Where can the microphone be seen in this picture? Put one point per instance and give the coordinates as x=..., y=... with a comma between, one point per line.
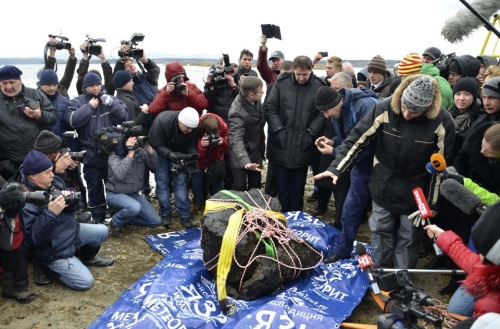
x=365, y=261
x=461, y=197
x=438, y=164
x=425, y=213
x=468, y=20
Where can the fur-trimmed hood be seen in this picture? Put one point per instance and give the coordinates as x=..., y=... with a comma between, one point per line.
x=483, y=280
x=432, y=112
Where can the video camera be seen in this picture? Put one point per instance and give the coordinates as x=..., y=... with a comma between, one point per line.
x=187, y=164
x=62, y=44
x=129, y=129
x=218, y=78
x=132, y=43
x=93, y=48
x=405, y=304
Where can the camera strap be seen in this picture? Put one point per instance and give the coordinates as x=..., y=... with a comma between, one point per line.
x=140, y=66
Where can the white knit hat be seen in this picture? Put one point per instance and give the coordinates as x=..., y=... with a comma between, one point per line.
x=190, y=117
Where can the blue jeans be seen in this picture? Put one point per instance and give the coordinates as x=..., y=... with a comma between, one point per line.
x=162, y=178
x=95, y=178
x=132, y=209
x=461, y=303
x=354, y=212
x=72, y=272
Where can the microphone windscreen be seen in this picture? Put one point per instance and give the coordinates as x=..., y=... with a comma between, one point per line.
x=360, y=249
x=460, y=196
x=430, y=168
x=465, y=22
x=438, y=161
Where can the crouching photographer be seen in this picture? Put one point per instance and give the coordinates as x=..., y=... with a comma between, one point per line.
x=12, y=252
x=212, y=145
x=174, y=135
x=52, y=233
x=126, y=174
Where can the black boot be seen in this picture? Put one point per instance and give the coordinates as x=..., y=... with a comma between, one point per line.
x=23, y=296
x=42, y=275
x=88, y=255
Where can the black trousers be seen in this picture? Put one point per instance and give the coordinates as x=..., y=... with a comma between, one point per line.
x=291, y=185
x=244, y=180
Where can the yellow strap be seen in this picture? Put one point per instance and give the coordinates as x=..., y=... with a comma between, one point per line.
x=226, y=252
x=217, y=205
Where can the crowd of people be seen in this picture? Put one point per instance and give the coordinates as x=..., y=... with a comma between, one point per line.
x=367, y=137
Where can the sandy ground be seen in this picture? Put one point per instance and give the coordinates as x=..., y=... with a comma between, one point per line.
x=58, y=307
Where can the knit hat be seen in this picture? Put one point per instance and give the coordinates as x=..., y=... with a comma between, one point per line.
x=411, y=63
x=91, y=79
x=466, y=84
x=377, y=65
x=492, y=88
x=326, y=98
x=177, y=76
x=454, y=67
x=418, y=96
x=486, y=234
x=277, y=54
x=47, y=142
x=121, y=78
x=432, y=52
x=362, y=75
x=190, y=117
x=10, y=72
x=48, y=77
x=35, y=162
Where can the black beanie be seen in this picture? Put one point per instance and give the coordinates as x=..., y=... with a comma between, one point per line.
x=121, y=78
x=486, y=234
x=466, y=84
x=47, y=142
x=455, y=67
x=326, y=98
x=91, y=79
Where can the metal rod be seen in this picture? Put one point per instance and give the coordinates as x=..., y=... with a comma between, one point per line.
x=486, y=23
x=417, y=270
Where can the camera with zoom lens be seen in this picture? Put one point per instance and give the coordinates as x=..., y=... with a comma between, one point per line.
x=62, y=44
x=184, y=167
x=132, y=43
x=129, y=129
x=218, y=78
x=77, y=156
x=41, y=198
x=213, y=139
x=73, y=198
x=28, y=102
x=93, y=48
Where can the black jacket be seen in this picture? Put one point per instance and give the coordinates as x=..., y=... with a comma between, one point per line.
x=403, y=150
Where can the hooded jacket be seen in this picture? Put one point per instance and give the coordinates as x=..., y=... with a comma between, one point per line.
x=212, y=153
x=403, y=149
x=469, y=65
x=482, y=281
x=176, y=101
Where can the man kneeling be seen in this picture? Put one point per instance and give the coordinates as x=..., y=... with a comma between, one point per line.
x=51, y=230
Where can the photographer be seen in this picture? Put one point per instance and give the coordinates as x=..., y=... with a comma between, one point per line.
x=69, y=71
x=83, y=69
x=12, y=251
x=212, y=145
x=88, y=114
x=24, y=112
x=52, y=232
x=480, y=291
x=146, y=80
x=125, y=180
x=179, y=92
x=174, y=136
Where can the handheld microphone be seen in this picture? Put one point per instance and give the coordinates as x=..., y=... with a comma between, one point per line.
x=365, y=261
x=425, y=213
x=438, y=164
x=466, y=21
x=461, y=197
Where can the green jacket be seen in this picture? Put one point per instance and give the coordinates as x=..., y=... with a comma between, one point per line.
x=487, y=197
x=444, y=86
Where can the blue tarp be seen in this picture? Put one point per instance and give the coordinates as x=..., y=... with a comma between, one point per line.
x=179, y=292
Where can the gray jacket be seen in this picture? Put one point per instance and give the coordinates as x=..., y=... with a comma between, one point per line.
x=126, y=175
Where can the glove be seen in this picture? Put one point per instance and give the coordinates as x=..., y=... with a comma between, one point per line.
x=10, y=195
x=417, y=219
x=457, y=177
x=174, y=156
x=106, y=99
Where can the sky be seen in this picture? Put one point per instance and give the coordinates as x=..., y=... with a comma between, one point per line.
x=357, y=29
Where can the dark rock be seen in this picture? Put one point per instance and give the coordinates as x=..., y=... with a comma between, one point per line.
x=254, y=272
